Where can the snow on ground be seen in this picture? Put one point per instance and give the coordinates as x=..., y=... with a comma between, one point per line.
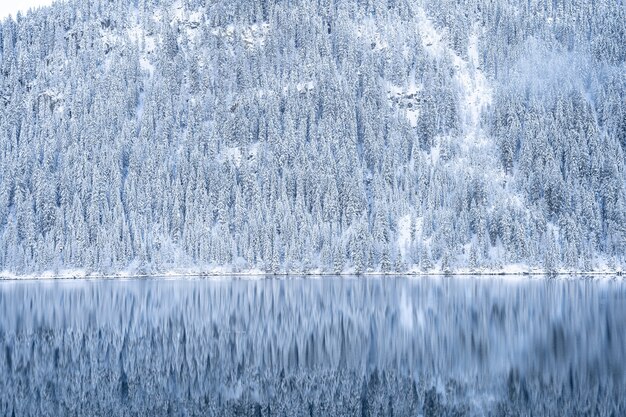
x=54, y=98
x=234, y=154
x=305, y=87
x=147, y=45
x=478, y=151
x=252, y=35
x=512, y=271
x=412, y=115
x=435, y=152
x=404, y=233
x=302, y=87
x=476, y=93
x=146, y=65
x=406, y=99
x=368, y=32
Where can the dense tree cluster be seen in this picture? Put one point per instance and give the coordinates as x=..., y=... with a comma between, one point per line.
x=298, y=135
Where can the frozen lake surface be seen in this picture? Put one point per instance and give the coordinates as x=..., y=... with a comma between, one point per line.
x=314, y=347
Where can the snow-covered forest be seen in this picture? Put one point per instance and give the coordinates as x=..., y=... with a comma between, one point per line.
x=313, y=136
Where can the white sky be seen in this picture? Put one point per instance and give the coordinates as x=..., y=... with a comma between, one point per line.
x=11, y=7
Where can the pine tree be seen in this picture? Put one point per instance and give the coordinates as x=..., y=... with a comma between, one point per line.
x=338, y=260
x=385, y=260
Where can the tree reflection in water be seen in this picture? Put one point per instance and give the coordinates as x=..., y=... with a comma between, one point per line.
x=300, y=347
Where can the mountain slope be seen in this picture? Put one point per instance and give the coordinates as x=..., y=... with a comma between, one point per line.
x=294, y=137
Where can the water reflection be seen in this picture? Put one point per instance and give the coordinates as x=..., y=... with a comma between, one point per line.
x=366, y=346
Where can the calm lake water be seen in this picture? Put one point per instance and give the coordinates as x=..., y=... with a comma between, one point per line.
x=314, y=347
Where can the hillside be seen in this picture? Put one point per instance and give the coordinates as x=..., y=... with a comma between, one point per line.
x=158, y=136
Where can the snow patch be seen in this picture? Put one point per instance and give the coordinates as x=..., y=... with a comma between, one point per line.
x=406, y=99
x=234, y=154
x=404, y=233
x=146, y=44
x=476, y=91
x=54, y=99
x=477, y=150
x=369, y=33
x=189, y=21
x=435, y=152
x=305, y=87
x=252, y=35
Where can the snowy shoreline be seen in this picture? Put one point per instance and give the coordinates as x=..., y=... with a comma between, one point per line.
x=76, y=275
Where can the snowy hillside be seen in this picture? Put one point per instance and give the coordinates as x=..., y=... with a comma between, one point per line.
x=415, y=136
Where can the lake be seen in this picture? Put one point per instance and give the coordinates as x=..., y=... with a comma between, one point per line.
x=366, y=346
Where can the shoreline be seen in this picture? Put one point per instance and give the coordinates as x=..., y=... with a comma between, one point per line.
x=309, y=275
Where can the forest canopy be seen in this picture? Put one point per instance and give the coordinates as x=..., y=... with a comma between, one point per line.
x=325, y=136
